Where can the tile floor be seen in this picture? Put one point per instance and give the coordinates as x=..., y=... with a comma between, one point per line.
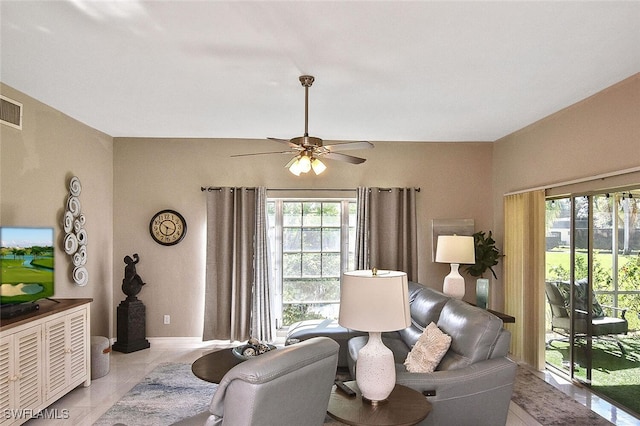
x=83, y=406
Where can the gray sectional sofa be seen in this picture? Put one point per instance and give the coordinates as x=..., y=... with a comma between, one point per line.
x=473, y=383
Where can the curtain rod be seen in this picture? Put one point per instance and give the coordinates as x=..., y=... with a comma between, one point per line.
x=579, y=180
x=218, y=188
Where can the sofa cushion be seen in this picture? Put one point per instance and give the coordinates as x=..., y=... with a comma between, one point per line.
x=428, y=350
x=425, y=306
x=474, y=334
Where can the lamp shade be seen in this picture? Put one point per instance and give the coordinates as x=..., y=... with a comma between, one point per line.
x=374, y=302
x=295, y=167
x=455, y=249
x=318, y=166
x=304, y=163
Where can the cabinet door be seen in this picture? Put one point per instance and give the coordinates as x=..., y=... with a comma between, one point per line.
x=67, y=352
x=20, y=373
x=79, y=352
x=28, y=368
x=56, y=354
x=6, y=377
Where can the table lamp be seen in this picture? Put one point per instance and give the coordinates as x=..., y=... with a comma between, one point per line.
x=374, y=301
x=455, y=249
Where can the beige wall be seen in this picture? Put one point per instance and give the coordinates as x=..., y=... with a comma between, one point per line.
x=35, y=166
x=154, y=174
x=597, y=136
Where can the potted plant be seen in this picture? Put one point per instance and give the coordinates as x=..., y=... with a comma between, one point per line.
x=487, y=256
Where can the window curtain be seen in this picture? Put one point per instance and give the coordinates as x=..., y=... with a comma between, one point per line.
x=237, y=278
x=524, y=271
x=262, y=326
x=386, y=230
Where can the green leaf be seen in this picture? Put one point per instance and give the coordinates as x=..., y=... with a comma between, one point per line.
x=487, y=255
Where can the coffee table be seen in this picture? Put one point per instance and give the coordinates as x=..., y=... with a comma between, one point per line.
x=213, y=366
x=405, y=407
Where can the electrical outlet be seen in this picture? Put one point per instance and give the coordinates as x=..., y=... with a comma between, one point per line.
x=167, y=319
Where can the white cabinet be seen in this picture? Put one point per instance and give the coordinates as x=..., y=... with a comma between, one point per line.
x=43, y=356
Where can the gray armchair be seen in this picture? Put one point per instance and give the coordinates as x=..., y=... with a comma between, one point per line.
x=288, y=386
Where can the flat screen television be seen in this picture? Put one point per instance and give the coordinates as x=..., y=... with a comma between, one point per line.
x=26, y=264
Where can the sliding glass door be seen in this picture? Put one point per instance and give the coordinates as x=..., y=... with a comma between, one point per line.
x=593, y=292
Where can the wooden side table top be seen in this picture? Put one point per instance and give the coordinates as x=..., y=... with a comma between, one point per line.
x=405, y=407
x=213, y=366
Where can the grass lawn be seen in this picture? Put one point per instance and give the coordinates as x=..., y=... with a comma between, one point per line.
x=614, y=375
x=12, y=271
x=562, y=258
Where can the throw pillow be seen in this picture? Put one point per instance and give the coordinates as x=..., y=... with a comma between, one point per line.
x=426, y=354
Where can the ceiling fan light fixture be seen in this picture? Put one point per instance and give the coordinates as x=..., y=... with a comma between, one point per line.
x=318, y=166
x=295, y=167
x=304, y=163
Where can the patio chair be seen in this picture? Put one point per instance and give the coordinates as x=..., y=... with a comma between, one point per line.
x=603, y=327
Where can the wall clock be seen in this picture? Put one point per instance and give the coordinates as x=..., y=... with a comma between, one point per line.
x=167, y=227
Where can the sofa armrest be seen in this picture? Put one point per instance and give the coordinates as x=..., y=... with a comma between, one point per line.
x=446, y=384
x=475, y=395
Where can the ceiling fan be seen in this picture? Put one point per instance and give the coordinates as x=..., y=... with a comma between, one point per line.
x=308, y=150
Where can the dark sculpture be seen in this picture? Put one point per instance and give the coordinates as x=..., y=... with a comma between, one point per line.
x=131, y=311
x=132, y=283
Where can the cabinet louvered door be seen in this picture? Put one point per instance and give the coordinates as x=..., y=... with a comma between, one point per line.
x=28, y=365
x=78, y=345
x=20, y=377
x=6, y=377
x=67, y=350
x=56, y=349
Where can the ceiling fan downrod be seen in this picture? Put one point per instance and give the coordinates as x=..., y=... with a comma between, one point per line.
x=306, y=81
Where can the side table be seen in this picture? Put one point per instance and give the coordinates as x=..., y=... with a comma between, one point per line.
x=213, y=366
x=405, y=407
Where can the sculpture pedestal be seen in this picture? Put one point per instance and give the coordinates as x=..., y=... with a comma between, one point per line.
x=131, y=326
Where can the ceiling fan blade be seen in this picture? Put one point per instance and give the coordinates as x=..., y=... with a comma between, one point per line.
x=344, y=157
x=349, y=146
x=287, y=141
x=264, y=153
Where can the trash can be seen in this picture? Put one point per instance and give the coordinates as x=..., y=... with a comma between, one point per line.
x=100, y=350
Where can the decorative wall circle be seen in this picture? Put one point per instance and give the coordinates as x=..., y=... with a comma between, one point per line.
x=75, y=187
x=68, y=222
x=70, y=244
x=80, y=257
x=81, y=276
x=73, y=205
x=82, y=236
x=75, y=240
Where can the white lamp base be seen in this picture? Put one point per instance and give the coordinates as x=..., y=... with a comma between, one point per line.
x=375, y=370
x=454, y=283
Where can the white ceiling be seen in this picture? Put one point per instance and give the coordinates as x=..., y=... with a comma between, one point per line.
x=411, y=71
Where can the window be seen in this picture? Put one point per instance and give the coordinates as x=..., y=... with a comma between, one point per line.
x=312, y=243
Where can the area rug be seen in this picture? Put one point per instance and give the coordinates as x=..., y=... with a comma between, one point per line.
x=168, y=394
x=548, y=405
x=171, y=393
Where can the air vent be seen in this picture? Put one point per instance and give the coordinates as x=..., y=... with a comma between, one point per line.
x=10, y=112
